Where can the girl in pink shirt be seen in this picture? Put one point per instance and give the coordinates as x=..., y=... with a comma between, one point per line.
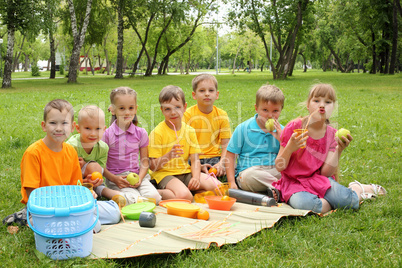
x=128, y=148
x=308, y=162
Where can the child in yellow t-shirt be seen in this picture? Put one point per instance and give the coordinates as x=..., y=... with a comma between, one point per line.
x=211, y=124
x=171, y=144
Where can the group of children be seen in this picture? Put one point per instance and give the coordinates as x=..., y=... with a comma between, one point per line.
x=173, y=161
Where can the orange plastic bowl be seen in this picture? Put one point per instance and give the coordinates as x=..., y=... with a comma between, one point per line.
x=215, y=202
x=182, y=209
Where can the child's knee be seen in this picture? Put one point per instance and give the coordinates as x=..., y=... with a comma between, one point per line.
x=347, y=199
x=340, y=196
x=94, y=166
x=90, y=168
x=305, y=201
x=184, y=195
x=109, y=212
x=157, y=197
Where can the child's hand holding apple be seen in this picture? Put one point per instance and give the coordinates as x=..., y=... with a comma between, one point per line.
x=344, y=138
x=134, y=179
x=121, y=182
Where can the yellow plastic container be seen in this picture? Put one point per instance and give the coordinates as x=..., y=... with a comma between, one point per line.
x=182, y=209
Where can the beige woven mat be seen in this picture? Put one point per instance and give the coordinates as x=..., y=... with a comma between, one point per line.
x=173, y=234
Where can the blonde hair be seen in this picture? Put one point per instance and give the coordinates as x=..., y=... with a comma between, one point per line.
x=270, y=93
x=322, y=90
x=319, y=90
x=123, y=91
x=202, y=77
x=91, y=111
x=59, y=105
x=170, y=92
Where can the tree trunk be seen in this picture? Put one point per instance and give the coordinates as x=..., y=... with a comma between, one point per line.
x=92, y=65
x=142, y=41
x=234, y=61
x=177, y=66
x=189, y=60
x=171, y=52
x=135, y=67
x=8, y=61
x=150, y=68
x=120, y=40
x=394, y=38
x=17, y=56
x=211, y=59
x=386, y=52
x=374, y=66
x=166, y=59
x=293, y=62
x=79, y=38
x=350, y=67
x=52, y=55
x=304, y=62
x=100, y=63
x=86, y=63
x=106, y=56
x=26, y=62
x=337, y=60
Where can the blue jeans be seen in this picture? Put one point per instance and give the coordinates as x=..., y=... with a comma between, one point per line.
x=109, y=213
x=338, y=196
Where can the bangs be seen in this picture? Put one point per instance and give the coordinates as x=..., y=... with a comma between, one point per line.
x=323, y=90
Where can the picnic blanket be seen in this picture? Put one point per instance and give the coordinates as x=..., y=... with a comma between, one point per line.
x=173, y=234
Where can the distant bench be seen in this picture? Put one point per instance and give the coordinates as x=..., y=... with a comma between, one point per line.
x=131, y=73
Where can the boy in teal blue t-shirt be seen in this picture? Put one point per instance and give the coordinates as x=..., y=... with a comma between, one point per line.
x=255, y=146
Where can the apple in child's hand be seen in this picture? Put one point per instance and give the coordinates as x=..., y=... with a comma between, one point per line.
x=133, y=178
x=269, y=125
x=342, y=133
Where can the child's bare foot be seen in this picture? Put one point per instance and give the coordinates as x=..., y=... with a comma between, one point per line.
x=274, y=193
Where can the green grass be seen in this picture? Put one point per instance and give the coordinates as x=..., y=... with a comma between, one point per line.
x=368, y=105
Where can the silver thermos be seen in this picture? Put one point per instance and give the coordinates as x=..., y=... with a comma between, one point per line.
x=252, y=198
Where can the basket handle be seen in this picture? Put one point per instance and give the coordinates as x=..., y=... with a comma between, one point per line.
x=69, y=235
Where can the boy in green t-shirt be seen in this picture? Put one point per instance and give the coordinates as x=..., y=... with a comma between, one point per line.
x=92, y=151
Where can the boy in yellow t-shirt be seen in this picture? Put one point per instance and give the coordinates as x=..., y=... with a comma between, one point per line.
x=211, y=124
x=171, y=144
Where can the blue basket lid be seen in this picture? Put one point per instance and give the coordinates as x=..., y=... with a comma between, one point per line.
x=60, y=200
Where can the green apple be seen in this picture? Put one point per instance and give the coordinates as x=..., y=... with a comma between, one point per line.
x=342, y=133
x=269, y=125
x=133, y=178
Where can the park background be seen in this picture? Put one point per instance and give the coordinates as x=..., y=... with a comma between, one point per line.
x=350, y=44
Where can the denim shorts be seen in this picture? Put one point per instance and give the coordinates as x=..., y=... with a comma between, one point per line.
x=338, y=196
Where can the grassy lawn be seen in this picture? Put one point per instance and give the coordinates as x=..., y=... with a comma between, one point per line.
x=368, y=105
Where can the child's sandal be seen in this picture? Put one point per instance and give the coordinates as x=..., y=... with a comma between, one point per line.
x=364, y=195
x=19, y=218
x=270, y=193
x=378, y=189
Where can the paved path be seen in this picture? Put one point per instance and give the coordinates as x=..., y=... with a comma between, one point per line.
x=192, y=73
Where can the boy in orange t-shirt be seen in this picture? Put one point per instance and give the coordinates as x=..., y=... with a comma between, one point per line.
x=50, y=161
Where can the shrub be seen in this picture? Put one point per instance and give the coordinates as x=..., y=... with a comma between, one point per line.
x=61, y=69
x=35, y=70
